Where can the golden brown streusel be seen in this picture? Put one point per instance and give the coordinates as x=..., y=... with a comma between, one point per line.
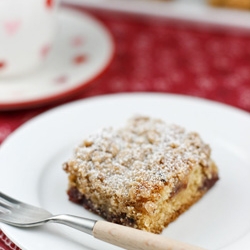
x=142, y=175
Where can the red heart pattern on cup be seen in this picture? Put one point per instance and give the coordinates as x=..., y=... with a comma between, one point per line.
x=49, y=3
x=17, y=28
x=12, y=26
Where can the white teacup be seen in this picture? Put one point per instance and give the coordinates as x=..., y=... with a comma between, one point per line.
x=27, y=31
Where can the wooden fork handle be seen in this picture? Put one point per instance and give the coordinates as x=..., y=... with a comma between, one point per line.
x=133, y=239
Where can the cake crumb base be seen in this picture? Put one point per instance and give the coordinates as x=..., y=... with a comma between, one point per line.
x=183, y=193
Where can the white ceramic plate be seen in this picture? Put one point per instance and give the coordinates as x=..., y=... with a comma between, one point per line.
x=83, y=49
x=188, y=10
x=31, y=168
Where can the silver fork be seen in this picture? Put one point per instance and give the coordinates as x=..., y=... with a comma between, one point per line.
x=19, y=214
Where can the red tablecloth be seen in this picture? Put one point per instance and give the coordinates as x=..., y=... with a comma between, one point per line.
x=157, y=55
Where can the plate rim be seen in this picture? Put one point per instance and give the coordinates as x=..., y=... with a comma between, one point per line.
x=206, y=15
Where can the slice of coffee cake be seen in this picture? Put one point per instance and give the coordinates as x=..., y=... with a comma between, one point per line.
x=143, y=175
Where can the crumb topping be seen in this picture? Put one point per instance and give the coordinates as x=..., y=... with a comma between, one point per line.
x=138, y=160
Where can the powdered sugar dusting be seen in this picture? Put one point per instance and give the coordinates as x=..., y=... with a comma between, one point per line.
x=139, y=159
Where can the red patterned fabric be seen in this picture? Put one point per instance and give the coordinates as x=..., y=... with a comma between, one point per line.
x=6, y=244
x=156, y=55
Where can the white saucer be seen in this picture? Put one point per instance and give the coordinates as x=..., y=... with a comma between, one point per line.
x=83, y=49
